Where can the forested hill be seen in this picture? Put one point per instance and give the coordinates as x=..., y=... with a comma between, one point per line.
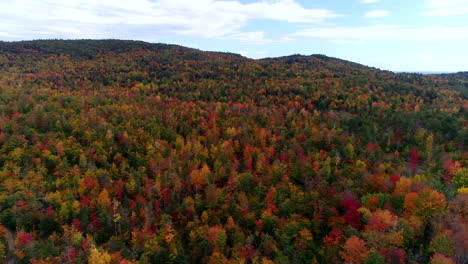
x=129, y=152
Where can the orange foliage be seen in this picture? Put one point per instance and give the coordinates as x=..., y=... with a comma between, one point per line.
x=354, y=251
x=441, y=259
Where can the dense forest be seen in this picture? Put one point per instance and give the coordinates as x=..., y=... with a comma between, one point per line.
x=130, y=152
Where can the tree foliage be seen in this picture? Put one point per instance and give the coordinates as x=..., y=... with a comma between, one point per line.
x=129, y=152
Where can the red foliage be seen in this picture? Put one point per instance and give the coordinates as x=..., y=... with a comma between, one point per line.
x=95, y=221
x=371, y=147
x=350, y=201
x=372, y=203
x=119, y=190
x=89, y=183
x=25, y=238
x=77, y=225
x=375, y=223
x=50, y=212
x=395, y=178
x=414, y=156
x=395, y=255
x=21, y=205
x=333, y=238
x=157, y=208
x=353, y=218
x=166, y=196
x=259, y=224
x=247, y=253
x=84, y=201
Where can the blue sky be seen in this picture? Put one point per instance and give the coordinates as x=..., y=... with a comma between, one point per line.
x=398, y=35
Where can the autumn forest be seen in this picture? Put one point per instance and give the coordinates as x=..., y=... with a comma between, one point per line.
x=129, y=152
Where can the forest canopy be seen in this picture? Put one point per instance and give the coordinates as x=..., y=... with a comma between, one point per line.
x=130, y=152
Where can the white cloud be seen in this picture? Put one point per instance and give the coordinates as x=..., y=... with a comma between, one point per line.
x=144, y=19
x=369, y=1
x=377, y=14
x=243, y=53
x=255, y=37
x=365, y=34
x=447, y=7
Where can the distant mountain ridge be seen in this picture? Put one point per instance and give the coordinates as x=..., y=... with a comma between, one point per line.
x=161, y=61
x=88, y=48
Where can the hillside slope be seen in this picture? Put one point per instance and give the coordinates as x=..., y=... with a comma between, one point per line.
x=129, y=152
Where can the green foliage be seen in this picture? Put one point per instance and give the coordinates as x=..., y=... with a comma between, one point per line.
x=383, y=198
x=374, y=257
x=460, y=179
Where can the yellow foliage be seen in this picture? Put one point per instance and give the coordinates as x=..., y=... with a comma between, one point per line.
x=55, y=198
x=204, y=217
x=230, y=223
x=217, y=258
x=76, y=207
x=420, y=178
x=3, y=251
x=429, y=144
x=179, y=143
x=262, y=260
x=364, y=212
x=17, y=154
x=104, y=199
x=403, y=186
x=96, y=257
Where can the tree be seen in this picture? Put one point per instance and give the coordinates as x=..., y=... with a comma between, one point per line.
x=354, y=251
x=441, y=243
x=374, y=257
x=428, y=203
x=97, y=257
x=441, y=259
x=217, y=258
x=200, y=177
x=460, y=179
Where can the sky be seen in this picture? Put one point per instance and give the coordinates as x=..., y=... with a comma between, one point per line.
x=396, y=35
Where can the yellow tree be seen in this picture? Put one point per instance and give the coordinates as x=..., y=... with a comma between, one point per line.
x=96, y=257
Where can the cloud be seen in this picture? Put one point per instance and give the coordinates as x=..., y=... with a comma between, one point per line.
x=377, y=14
x=255, y=37
x=243, y=53
x=361, y=35
x=144, y=19
x=369, y=1
x=446, y=7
